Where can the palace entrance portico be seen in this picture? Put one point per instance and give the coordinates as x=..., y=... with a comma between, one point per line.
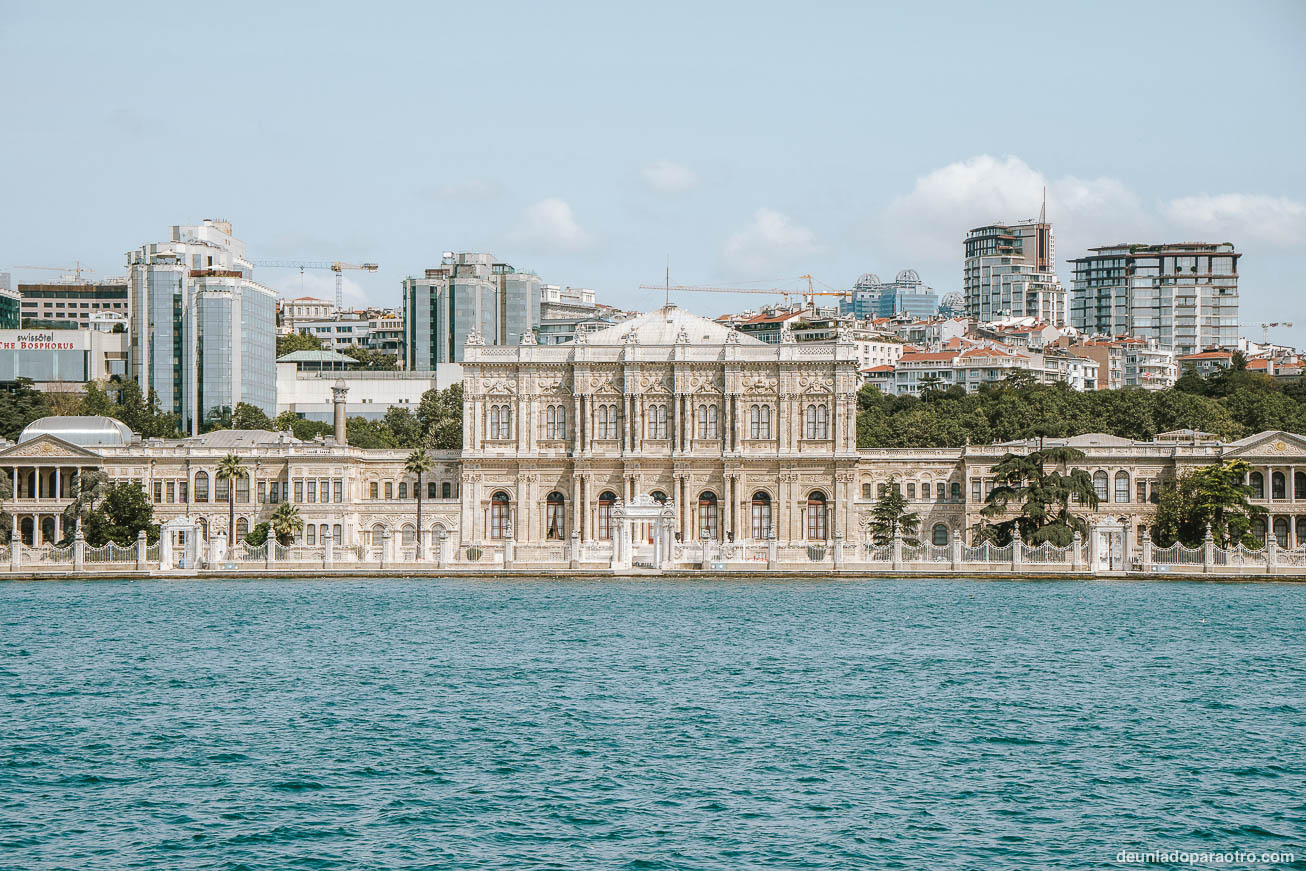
x=41, y=475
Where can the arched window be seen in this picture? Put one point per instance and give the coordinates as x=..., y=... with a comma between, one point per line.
x=1122, y=486
x=500, y=515
x=761, y=515
x=408, y=535
x=1299, y=485
x=657, y=421
x=867, y=492
x=378, y=534
x=322, y=534
x=707, y=428
x=816, y=515
x=1099, y=485
x=1257, y=482
x=1301, y=531
x=760, y=422
x=494, y=421
x=606, y=500
x=1278, y=486
x=555, y=515
x=939, y=535
x=310, y=534
x=708, y=525
x=431, y=490
x=1281, y=531
x=956, y=491
x=201, y=486
x=659, y=497
x=338, y=535
x=403, y=489
x=607, y=422
x=446, y=490
x=222, y=489
x=242, y=528
x=818, y=422
x=1258, y=528
x=556, y=422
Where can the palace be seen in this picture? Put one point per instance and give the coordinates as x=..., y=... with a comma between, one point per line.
x=642, y=443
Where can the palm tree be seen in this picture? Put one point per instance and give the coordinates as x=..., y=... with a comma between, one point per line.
x=418, y=464
x=229, y=469
x=285, y=522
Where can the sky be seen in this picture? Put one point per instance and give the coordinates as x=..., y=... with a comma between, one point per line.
x=743, y=144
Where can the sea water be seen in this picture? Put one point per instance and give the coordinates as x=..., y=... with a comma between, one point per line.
x=435, y=723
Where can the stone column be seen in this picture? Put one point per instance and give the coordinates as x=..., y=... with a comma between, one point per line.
x=1271, y=551
x=575, y=505
x=895, y=548
x=386, y=538
x=838, y=550
x=675, y=432
x=1145, y=559
x=328, y=549
x=957, y=541
x=79, y=549
x=573, y=550
x=16, y=547
x=1077, y=554
x=1208, y=550
x=142, y=549
x=1017, y=550
x=772, y=549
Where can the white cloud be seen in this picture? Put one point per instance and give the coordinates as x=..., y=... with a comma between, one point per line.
x=1276, y=222
x=772, y=242
x=667, y=177
x=926, y=226
x=549, y=226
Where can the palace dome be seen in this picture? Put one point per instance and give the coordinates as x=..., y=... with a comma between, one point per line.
x=87, y=431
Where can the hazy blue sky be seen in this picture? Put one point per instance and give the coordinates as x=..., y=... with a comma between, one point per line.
x=748, y=141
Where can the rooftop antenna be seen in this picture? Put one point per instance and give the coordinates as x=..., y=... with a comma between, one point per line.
x=1043, y=212
x=667, y=304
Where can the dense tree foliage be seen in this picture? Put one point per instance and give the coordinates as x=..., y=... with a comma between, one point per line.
x=1215, y=497
x=374, y=360
x=122, y=514
x=297, y=342
x=890, y=516
x=20, y=404
x=285, y=522
x=1231, y=404
x=1043, y=485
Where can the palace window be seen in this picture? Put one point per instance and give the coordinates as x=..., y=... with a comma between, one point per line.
x=1122, y=486
x=760, y=422
x=708, y=516
x=607, y=425
x=201, y=486
x=925, y=490
x=431, y=490
x=816, y=515
x=373, y=490
x=446, y=490
x=956, y=491
x=1257, y=482
x=389, y=490
x=1281, y=531
x=500, y=422
x=818, y=422
x=657, y=421
x=555, y=426
x=555, y=511
x=939, y=535
x=312, y=490
x=762, y=515
x=707, y=428
x=1099, y=485
x=607, y=499
x=500, y=515
x=403, y=489
x=1278, y=486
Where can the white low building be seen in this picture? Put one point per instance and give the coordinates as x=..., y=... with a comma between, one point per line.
x=371, y=393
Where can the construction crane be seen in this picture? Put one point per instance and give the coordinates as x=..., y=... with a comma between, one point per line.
x=1267, y=327
x=76, y=269
x=334, y=265
x=807, y=295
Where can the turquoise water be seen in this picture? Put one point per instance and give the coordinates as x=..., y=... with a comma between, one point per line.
x=633, y=724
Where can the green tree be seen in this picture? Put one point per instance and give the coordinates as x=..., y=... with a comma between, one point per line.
x=301, y=428
x=377, y=361
x=418, y=463
x=404, y=427
x=88, y=487
x=1215, y=496
x=6, y=521
x=297, y=342
x=20, y=404
x=285, y=522
x=1043, y=485
x=371, y=434
x=440, y=413
x=231, y=471
x=122, y=514
x=249, y=416
x=259, y=534
x=890, y=516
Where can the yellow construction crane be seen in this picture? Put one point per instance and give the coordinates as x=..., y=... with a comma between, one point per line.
x=76, y=269
x=334, y=265
x=807, y=295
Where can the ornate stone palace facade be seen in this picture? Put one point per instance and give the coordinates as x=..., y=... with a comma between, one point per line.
x=659, y=432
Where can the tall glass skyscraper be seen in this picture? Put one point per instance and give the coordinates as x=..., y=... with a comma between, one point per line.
x=203, y=333
x=467, y=293
x=1010, y=272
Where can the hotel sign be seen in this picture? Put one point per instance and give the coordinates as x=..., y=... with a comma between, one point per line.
x=44, y=340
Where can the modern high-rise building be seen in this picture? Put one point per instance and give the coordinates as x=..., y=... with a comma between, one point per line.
x=68, y=305
x=1184, y=295
x=203, y=332
x=467, y=293
x=1010, y=272
x=905, y=295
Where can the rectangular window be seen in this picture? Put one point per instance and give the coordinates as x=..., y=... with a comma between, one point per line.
x=975, y=495
x=274, y=492
x=158, y=492
x=446, y=490
x=325, y=487
x=299, y=489
x=911, y=491
x=1141, y=491
x=340, y=490
x=373, y=491
x=183, y=491
x=389, y=490
x=925, y=490
x=262, y=492
x=172, y=492
x=222, y=489
x=242, y=489
x=312, y=490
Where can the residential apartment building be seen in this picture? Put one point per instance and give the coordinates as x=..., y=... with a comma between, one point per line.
x=68, y=305
x=203, y=332
x=1127, y=361
x=1010, y=272
x=1183, y=295
x=466, y=295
